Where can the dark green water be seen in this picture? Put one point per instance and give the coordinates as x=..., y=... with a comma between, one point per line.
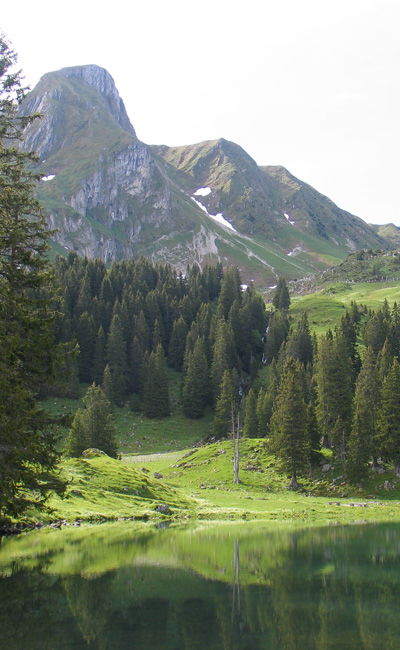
x=231, y=587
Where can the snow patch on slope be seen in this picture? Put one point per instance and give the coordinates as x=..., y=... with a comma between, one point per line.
x=296, y=251
x=288, y=218
x=217, y=217
x=203, y=191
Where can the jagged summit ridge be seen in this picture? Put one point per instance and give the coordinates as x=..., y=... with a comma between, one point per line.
x=102, y=81
x=112, y=196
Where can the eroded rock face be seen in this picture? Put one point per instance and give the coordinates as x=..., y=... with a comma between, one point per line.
x=112, y=196
x=105, y=182
x=101, y=80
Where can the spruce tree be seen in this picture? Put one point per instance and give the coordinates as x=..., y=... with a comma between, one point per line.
x=281, y=298
x=230, y=291
x=222, y=423
x=263, y=413
x=224, y=356
x=363, y=438
x=29, y=357
x=389, y=417
x=290, y=440
x=99, y=357
x=277, y=333
x=250, y=426
x=299, y=343
x=155, y=392
x=177, y=344
x=86, y=336
x=93, y=426
x=196, y=389
x=117, y=361
x=334, y=388
x=136, y=357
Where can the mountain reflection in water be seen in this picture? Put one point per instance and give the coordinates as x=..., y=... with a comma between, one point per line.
x=227, y=587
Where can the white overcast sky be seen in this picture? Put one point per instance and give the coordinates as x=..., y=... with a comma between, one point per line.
x=313, y=85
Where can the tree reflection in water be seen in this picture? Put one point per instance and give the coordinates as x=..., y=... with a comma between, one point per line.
x=190, y=589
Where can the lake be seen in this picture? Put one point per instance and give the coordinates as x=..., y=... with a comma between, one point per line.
x=226, y=587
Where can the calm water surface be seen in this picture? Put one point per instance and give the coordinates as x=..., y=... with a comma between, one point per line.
x=231, y=587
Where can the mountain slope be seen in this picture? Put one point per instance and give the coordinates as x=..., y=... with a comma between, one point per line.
x=112, y=196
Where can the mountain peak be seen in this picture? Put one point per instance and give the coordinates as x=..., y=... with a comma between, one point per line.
x=101, y=80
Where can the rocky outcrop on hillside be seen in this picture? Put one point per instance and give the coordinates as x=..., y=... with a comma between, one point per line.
x=112, y=196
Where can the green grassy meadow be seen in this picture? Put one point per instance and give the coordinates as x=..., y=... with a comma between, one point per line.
x=197, y=484
x=197, y=477
x=326, y=306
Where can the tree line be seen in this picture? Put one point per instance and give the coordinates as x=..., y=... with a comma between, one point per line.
x=321, y=392
x=135, y=319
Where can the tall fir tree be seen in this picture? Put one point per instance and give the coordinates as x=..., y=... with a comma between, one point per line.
x=388, y=421
x=281, y=298
x=250, y=425
x=117, y=361
x=222, y=423
x=224, y=356
x=29, y=357
x=363, y=438
x=99, y=357
x=177, y=344
x=290, y=440
x=196, y=389
x=93, y=426
x=334, y=381
x=299, y=343
x=86, y=336
x=230, y=291
x=156, y=392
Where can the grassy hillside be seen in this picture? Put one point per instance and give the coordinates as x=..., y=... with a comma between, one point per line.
x=197, y=483
x=366, y=277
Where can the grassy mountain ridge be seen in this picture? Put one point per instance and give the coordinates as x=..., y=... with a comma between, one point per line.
x=114, y=197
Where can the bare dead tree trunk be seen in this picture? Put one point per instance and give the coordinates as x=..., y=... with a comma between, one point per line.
x=236, y=580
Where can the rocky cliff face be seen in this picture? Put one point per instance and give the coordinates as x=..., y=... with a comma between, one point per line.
x=103, y=83
x=102, y=187
x=113, y=197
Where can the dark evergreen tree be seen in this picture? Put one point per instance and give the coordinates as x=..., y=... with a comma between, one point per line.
x=314, y=435
x=375, y=331
x=388, y=421
x=281, y=298
x=224, y=356
x=196, y=389
x=29, y=358
x=363, y=438
x=155, y=393
x=290, y=440
x=157, y=336
x=230, y=291
x=299, y=343
x=277, y=332
x=99, y=357
x=334, y=381
x=263, y=412
x=141, y=331
x=86, y=336
x=224, y=408
x=117, y=361
x=177, y=344
x=250, y=426
x=385, y=360
x=347, y=332
x=136, y=360
x=93, y=426
x=107, y=384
